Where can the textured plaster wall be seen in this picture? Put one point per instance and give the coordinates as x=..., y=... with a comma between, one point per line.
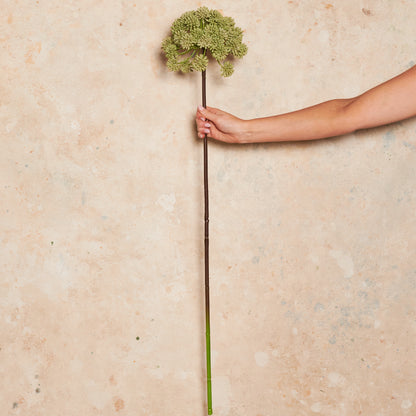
x=101, y=245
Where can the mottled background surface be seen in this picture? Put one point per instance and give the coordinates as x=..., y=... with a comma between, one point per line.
x=101, y=245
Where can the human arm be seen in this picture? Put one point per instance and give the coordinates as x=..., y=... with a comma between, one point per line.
x=386, y=103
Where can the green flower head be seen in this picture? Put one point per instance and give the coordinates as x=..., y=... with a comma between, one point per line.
x=198, y=32
x=200, y=62
x=227, y=69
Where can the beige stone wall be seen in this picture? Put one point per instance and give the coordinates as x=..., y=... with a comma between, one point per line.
x=313, y=273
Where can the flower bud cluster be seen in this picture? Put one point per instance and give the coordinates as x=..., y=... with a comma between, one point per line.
x=202, y=31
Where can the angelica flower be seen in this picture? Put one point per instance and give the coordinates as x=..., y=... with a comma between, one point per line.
x=198, y=32
x=200, y=62
x=227, y=69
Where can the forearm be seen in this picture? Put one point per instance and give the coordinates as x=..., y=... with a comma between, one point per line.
x=323, y=120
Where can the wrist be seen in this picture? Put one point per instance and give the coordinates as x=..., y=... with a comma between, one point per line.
x=262, y=130
x=247, y=132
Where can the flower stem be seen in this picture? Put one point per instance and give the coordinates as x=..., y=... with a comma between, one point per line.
x=206, y=244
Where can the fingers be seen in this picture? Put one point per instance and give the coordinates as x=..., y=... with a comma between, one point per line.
x=203, y=129
x=218, y=125
x=206, y=120
x=203, y=126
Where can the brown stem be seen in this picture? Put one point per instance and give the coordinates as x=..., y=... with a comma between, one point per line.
x=206, y=244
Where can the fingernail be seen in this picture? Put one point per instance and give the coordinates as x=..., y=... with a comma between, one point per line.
x=200, y=108
x=207, y=125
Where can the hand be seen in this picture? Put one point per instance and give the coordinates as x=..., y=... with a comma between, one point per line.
x=219, y=125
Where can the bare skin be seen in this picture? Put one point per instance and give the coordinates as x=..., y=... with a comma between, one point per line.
x=391, y=101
